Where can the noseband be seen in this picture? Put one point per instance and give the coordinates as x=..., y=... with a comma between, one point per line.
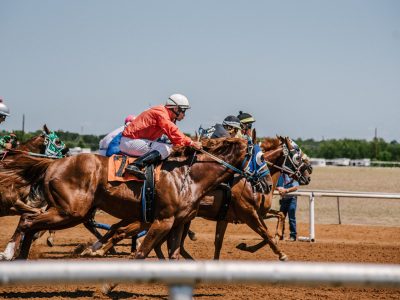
x=292, y=163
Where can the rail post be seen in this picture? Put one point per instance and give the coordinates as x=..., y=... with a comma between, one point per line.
x=338, y=210
x=312, y=221
x=180, y=292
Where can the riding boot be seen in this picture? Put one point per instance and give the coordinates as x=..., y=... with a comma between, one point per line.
x=136, y=167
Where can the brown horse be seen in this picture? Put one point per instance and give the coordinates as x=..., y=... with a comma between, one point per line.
x=16, y=198
x=250, y=204
x=74, y=186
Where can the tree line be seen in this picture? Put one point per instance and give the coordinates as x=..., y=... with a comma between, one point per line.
x=377, y=149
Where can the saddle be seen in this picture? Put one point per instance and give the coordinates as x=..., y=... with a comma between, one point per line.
x=116, y=173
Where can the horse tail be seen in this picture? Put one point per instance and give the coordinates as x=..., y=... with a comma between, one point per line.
x=24, y=171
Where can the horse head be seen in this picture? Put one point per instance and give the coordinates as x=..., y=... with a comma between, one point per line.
x=47, y=143
x=284, y=155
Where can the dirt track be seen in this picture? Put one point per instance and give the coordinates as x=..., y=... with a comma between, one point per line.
x=335, y=243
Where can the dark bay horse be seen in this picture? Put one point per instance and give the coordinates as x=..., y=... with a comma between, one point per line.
x=74, y=186
x=15, y=197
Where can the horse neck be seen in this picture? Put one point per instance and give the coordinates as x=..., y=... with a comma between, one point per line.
x=35, y=145
x=208, y=173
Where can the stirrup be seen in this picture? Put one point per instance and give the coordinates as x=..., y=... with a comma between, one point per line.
x=132, y=169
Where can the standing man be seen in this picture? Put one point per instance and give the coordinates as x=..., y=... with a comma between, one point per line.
x=139, y=138
x=288, y=203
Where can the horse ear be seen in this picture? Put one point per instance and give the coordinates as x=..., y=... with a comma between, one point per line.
x=288, y=141
x=46, y=129
x=254, y=136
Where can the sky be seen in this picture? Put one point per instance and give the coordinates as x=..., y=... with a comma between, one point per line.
x=304, y=69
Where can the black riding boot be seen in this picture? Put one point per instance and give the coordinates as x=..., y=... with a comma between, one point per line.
x=136, y=167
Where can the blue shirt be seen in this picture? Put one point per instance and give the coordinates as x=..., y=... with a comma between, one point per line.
x=286, y=182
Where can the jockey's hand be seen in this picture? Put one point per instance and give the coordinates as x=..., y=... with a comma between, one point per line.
x=197, y=145
x=8, y=146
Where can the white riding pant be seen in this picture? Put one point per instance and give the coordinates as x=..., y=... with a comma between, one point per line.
x=139, y=147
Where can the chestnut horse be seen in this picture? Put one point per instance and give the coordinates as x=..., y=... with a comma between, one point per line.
x=250, y=204
x=15, y=197
x=16, y=201
x=74, y=186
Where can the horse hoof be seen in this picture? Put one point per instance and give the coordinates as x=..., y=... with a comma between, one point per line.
x=86, y=252
x=50, y=242
x=283, y=257
x=107, y=288
x=242, y=246
x=112, y=251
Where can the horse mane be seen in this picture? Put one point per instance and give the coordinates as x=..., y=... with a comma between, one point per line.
x=215, y=146
x=24, y=171
x=270, y=143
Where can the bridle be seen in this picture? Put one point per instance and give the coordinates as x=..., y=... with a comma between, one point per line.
x=253, y=169
x=53, y=148
x=293, y=165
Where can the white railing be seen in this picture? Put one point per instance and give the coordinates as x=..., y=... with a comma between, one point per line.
x=181, y=276
x=337, y=194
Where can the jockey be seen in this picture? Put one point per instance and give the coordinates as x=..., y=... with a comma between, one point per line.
x=230, y=127
x=9, y=141
x=4, y=111
x=105, y=142
x=139, y=138
x=246, y=121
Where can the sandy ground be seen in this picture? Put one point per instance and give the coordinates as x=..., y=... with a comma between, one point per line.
x=369, y=234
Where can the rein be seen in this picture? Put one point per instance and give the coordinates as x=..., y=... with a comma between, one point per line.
x=29, y=153
x=224, y=163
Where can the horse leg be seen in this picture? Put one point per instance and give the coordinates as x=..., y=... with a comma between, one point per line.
x=186, y=232
x=157, y=231
x=158, y=251
x=118, y=232
x=219, y=237
x=14, y=244
x=175, y=241
x=280, y=222
x=50, y=219
x=257, y=224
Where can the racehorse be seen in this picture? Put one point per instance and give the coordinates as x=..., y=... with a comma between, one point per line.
x=249, y=204
x=15, y=197
x=47, y=144
x=74, y=186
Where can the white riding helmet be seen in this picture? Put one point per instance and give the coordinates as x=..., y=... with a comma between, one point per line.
x=178, y=100
x=4, y=109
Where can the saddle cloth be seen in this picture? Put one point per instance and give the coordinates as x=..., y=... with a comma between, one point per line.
x=116, y=168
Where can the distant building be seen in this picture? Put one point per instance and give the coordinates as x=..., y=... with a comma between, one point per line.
x=338, y=162
x=318, y=162
x=366, y=162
